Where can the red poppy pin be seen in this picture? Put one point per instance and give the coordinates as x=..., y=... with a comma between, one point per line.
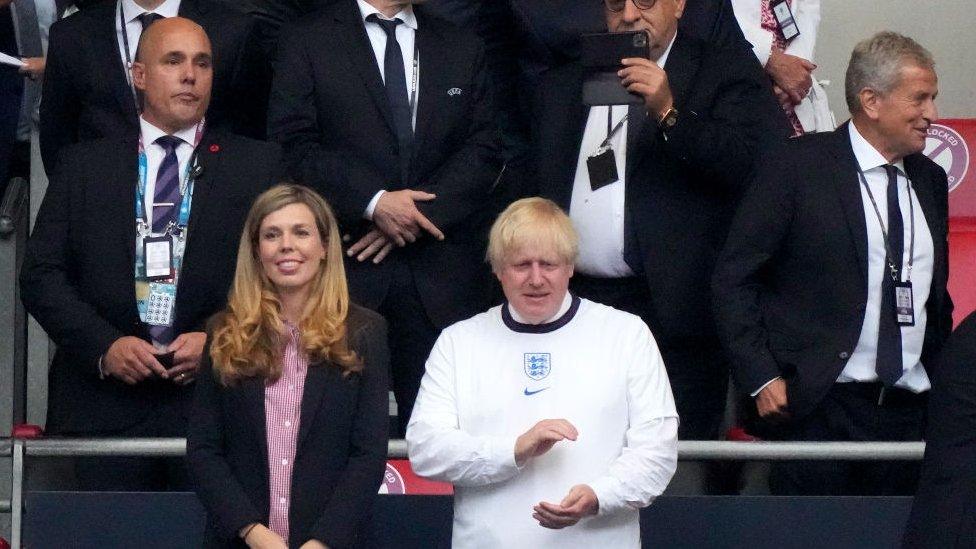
x=214, y=148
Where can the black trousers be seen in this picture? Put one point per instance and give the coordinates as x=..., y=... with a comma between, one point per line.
x=411, y=337
x=135, y=474
x=851, y=412
x=699, y=374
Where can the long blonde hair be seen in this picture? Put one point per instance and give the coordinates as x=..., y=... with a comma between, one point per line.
x=248, y=336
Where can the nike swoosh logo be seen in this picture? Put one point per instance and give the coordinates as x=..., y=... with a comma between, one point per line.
x=530, y=393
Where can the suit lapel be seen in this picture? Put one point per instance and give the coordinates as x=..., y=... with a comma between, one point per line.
x=563, y=101
x=681, y=67
x=191, y=9
x=253, y=395
x=363, y=61
x=105, y=46
x=320, y=384
x=922, y=188
x=432, y=89
x=848, y=191
x=209, y=155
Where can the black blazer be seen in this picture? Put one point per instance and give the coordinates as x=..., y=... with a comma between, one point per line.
x=77, y=279
x=791, y=285
x=86, y=95
x=680, y=191
x=330, y=113
x=339, y=459
x=944, y=511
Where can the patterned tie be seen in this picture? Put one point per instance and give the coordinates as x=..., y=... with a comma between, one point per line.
x=395, y=80
x=167, y=189
x=769, y=24
x=889, y=359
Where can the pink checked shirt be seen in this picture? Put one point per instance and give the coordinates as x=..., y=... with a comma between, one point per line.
x=282, y=412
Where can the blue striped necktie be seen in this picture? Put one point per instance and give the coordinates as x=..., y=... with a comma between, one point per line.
x=167, y=192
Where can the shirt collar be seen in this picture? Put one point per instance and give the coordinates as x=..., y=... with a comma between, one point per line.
x=131, y=10
x=566, y=312
x=664, y=56
x=868, y=157
x=406, y=14
x=151, y=133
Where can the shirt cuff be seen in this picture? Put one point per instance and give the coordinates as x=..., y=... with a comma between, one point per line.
x=368, y=214
x=604, y=488
x=759, y=390
x=503, y=455
x=101, y=371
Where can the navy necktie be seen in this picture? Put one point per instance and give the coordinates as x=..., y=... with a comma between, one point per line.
x=167, y=191
x=147, y=19
x=889, y=358
x=395, y=80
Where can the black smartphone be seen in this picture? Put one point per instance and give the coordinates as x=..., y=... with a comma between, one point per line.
x=600, y=55
x=166, y=359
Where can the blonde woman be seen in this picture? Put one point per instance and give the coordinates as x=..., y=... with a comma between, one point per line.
x=287, y=441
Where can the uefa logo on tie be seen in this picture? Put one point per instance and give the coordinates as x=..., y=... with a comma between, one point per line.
x=948, y=149
x=537, y=365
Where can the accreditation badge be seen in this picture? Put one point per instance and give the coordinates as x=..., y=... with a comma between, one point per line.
x=158, y=257
x=161, y=303
x=904, y=304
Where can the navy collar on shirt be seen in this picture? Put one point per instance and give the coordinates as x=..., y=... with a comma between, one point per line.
x=543, y=328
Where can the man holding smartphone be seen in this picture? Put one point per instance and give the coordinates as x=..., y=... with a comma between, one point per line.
x=651, y=186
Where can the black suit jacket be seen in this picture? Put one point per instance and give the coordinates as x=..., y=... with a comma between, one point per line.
x=680, y=191
x=339, y=458
x=790, y=289
x=86, y=95
x=944, y=511
x=330, y=113
x=77, y=279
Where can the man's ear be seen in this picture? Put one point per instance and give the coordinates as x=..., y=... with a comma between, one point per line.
x=870, y=99
x=139, y=76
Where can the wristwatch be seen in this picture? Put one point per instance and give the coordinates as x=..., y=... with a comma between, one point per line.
x=669, y=119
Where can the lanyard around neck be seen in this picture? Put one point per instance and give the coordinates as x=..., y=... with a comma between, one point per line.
x=186, y=182
x=889, y=256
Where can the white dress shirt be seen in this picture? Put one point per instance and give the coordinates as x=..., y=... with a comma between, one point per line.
x=406, y=34
x=133, y=28
x=598, y=216
x=861, y=365
x=155, y=154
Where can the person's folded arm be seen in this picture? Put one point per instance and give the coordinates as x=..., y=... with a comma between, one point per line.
x=218, y=489
x=650, y=453
x=342, y=519
x=439, y=449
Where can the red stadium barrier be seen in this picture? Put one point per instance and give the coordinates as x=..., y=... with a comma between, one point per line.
x=951, y=144
x=400, y=479
x=28, y=431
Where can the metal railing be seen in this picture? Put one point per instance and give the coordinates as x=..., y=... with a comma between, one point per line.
x=688, y=450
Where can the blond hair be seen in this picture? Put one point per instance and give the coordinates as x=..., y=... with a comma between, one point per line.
x=248, y=337
x=536, y=222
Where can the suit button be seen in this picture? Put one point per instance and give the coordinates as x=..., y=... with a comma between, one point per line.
x=843, y=355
